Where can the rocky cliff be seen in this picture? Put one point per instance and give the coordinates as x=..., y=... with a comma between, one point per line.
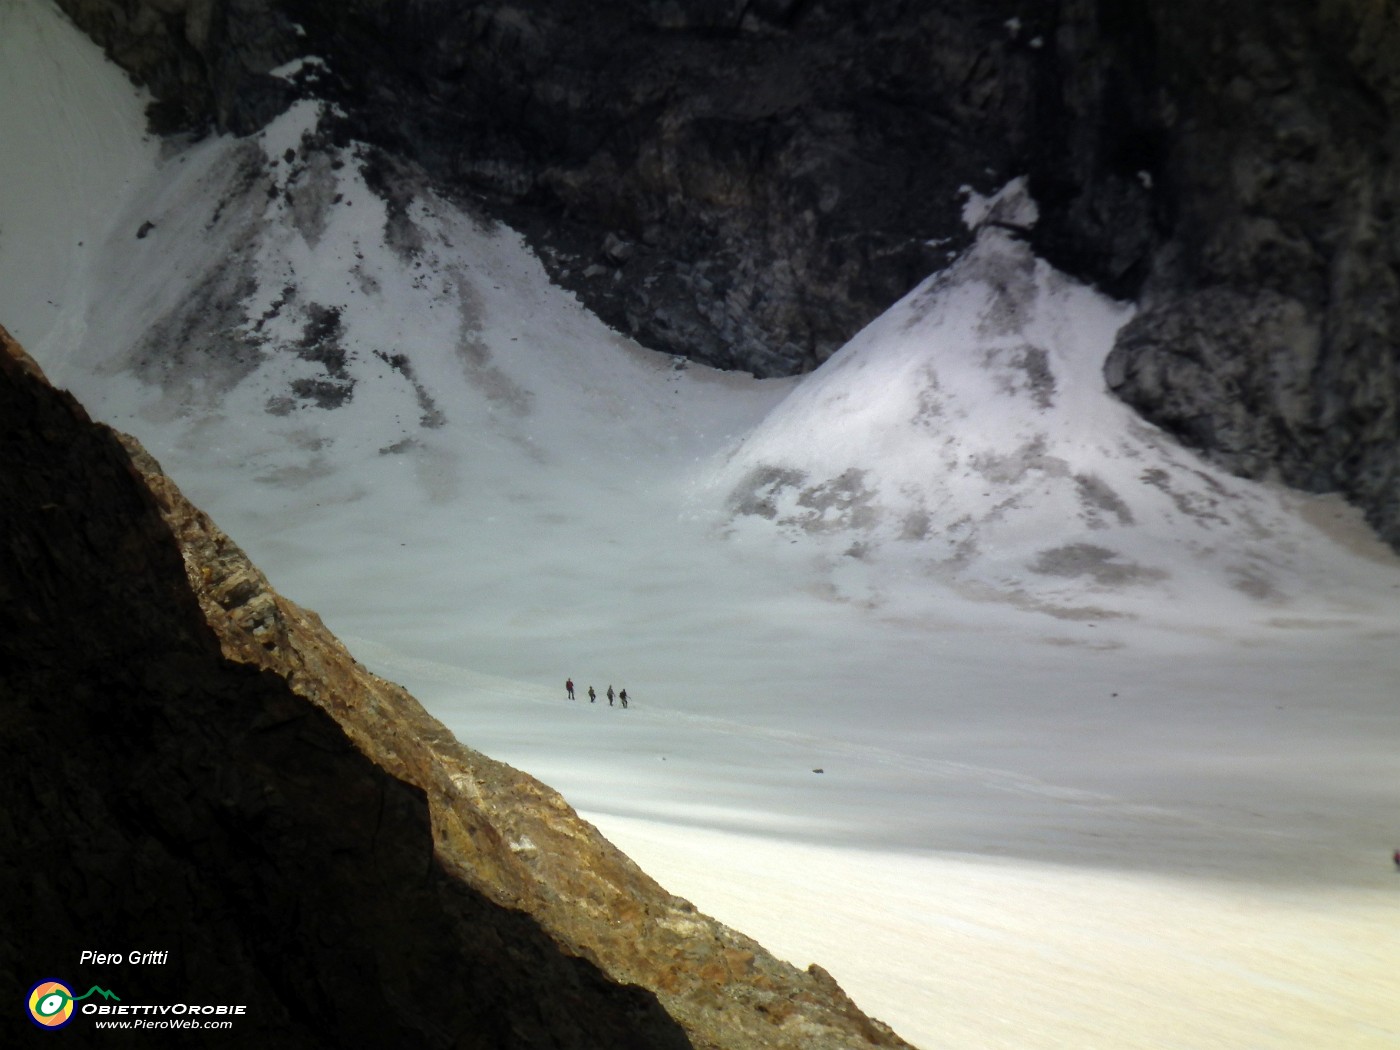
x=193, y=765
x=750, y=181
x=1271, y=312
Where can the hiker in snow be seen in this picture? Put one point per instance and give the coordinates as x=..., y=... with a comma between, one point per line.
x=1396, y=857
x=592, y=696
x=610, y=696
x=569, y=685
x=623, y=697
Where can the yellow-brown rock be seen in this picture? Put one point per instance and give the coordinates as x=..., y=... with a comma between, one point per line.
x=193, y=764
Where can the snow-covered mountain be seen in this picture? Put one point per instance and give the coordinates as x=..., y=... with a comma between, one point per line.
x=948, y=671
x=967, y=436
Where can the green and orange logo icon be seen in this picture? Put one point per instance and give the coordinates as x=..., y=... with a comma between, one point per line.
x=51, y=1002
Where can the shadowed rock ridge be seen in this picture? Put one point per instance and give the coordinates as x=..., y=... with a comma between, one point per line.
x=193, y=764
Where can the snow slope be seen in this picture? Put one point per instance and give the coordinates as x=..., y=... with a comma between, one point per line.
x=968, y=436
x=73, y=148
x=948, y=673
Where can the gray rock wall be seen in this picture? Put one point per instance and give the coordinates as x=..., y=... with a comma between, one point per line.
x=1270, y=333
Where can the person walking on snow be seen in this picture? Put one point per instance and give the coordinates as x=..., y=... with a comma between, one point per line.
x=592, y=696
x=1396, y=857
x=569, y=685
x=610, y=696
x=623, y=697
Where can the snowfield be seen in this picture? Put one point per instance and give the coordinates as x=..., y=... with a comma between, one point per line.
x=947, y=672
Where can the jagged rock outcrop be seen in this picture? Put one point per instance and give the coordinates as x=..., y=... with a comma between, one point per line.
x=749, y=181
x=1271, y=320
x=193, y=764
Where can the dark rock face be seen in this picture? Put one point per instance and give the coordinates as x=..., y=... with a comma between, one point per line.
x=1271, y=319
x=748, y=183
x=193, y=765
x=206, y=61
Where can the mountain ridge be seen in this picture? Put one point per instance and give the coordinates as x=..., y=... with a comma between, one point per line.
x=539, y=879
x=749, y=184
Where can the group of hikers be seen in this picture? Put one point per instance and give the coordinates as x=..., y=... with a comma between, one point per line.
x=593, y=697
